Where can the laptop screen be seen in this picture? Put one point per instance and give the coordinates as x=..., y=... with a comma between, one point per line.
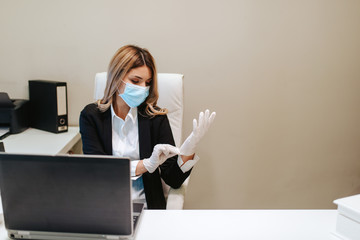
x=72, y=193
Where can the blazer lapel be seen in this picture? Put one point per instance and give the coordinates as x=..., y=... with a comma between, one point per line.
x=107, y=132
x=144, y=136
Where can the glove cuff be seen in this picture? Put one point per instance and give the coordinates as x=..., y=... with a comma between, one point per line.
x=147, y=164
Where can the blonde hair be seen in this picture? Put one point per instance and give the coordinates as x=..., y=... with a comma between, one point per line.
x=125, y=59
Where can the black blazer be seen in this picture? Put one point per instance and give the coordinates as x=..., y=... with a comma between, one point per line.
x=96, y=135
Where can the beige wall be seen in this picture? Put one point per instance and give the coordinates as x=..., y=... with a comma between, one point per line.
x=283, y=76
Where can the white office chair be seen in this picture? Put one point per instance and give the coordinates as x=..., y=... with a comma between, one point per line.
x=170, y=87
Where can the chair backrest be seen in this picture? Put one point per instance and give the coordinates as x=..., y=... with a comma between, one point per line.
x=171, y=96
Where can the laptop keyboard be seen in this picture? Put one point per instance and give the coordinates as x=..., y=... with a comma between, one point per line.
x=137, y=209
x=135, y=220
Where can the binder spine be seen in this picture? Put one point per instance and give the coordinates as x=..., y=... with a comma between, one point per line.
x=62, y=120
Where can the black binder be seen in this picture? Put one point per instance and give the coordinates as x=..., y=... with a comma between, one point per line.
x=48, y=105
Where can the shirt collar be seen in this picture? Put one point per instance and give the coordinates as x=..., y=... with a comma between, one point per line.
x=132, y=114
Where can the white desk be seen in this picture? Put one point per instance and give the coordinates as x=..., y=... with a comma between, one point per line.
x=238, y=224
x=234, y=224
x=35, y=141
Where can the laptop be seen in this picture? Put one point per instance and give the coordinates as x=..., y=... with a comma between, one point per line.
x=67, y=197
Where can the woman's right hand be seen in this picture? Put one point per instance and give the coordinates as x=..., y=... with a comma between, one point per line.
x=159, y=155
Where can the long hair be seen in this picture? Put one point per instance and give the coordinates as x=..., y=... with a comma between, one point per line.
x=125, y=59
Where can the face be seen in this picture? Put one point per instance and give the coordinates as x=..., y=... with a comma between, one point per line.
x=140, y=76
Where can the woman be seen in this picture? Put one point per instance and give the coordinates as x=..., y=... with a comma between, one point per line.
x=126, y=122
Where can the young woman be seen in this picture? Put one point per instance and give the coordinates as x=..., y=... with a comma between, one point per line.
x=126, y=122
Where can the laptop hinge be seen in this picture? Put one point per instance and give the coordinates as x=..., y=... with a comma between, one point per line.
x=24, y=233
x=112, y=237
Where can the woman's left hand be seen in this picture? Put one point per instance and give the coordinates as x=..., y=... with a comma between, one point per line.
x=199, y=129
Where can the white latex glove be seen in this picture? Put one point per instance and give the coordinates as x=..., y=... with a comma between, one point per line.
x=199, y=130
x=159, y=155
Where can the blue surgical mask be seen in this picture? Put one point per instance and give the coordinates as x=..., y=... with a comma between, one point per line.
x=134, y=95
